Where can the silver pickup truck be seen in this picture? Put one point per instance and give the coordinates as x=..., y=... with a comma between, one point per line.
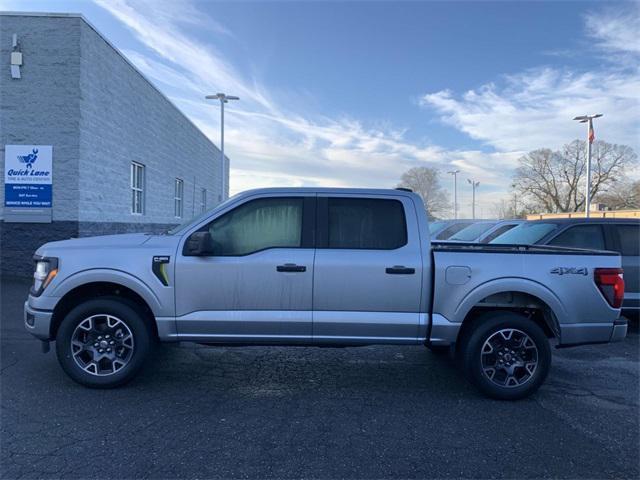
x=323, y=267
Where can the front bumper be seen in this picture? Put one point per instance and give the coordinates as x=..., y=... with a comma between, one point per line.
x=37, y=322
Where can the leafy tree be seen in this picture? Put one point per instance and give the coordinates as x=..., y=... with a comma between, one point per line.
x=425, y=181
x=553, y=181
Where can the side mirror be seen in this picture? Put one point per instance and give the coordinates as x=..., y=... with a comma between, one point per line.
x=199, y=244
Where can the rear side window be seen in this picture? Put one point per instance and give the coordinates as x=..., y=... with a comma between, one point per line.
x=366, y=223
x=581, y=236
x=497, y=232
x=629, y=239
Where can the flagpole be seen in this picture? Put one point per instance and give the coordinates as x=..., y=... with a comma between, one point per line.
x=587, y=193
x=588, y=119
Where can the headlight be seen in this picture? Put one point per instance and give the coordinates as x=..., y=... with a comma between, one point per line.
x=46, y=270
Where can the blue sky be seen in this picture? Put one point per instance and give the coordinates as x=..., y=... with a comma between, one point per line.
x=354, y=93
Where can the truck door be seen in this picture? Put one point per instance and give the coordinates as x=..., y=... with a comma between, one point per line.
x=256, y=285
x=368, y=270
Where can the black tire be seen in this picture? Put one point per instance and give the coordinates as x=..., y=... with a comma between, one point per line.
x=488, y=328
x=124, y=311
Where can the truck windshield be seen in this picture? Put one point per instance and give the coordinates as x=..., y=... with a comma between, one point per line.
x=472, y=232
x=525, y=234
x=435, y=226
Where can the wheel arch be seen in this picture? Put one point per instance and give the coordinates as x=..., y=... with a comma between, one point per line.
x=97, y=289
x=526, y=297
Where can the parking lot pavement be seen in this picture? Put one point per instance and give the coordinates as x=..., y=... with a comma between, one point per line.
x=372, y=412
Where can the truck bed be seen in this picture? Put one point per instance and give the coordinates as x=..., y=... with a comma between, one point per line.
x=559, y=280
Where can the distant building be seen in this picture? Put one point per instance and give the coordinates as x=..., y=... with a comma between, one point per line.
x=594, y=213
x=88, y=145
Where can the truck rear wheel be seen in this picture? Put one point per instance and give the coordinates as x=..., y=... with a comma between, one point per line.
x=506, y=355
x=102, y=343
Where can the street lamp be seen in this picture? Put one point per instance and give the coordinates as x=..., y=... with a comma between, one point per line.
x=455, y=192
x=474, y=185
x=224, y=98
x=588, y=119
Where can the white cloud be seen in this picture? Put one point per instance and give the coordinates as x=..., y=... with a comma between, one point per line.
x=158, y=26
x=534, y=108
x=270, y=145
x=265, y=142
x=616, y=30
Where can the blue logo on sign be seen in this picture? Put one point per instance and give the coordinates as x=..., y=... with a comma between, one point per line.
x=28, y=160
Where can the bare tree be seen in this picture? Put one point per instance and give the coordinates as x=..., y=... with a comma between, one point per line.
x=554, y=181
x=621, y=195
x=425, y=181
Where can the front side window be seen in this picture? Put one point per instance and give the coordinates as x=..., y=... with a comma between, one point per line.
x=137, y=188
x=177, y=198
x=366, y=223
x=258, y=225
x=581, y=236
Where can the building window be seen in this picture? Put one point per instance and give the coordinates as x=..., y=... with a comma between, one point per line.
x=177, y=198
x=137, y=188
x=203, y=200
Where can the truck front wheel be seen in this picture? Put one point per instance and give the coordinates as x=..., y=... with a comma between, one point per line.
x=103, y=342
x=506, y=355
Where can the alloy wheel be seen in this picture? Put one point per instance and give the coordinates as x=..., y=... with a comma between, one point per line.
x=102, y=345
x=509, y=358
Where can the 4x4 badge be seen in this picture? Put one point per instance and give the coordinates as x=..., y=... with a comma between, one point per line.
x=570, y=271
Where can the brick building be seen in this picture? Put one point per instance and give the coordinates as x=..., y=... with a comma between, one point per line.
x=123, y=158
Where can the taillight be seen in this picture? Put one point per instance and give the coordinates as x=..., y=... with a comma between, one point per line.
x=610, y=282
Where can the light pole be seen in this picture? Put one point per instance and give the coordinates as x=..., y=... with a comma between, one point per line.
x=515, y=200
x=455, y=192
x=224, y=98
x=474, y=185
x=588, y=119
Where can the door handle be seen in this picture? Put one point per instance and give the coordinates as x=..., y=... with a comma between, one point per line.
x=400, y=270
x=291, y=267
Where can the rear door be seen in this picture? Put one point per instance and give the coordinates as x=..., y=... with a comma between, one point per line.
x=367, y=271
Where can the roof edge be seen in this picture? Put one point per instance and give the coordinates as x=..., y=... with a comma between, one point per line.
x=122, y=55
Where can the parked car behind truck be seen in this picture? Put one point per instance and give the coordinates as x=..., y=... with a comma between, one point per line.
x=483, y=231
x=320, y=267
x=616, y=234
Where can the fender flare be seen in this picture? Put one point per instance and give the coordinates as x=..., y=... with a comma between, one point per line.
x=102, y=275
x=512, y=284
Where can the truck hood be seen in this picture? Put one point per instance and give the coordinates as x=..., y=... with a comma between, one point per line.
x=103, y=241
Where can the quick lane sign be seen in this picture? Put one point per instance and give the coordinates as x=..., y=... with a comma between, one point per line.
x=27, y=176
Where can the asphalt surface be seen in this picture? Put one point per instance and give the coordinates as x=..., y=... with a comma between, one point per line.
x=254, y=412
